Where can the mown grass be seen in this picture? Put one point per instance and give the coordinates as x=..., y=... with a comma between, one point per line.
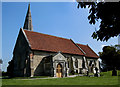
x=105, y=79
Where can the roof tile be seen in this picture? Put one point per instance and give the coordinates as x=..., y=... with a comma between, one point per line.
x=44, y=42
x=89, y=52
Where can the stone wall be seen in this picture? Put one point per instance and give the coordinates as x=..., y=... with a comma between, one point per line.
x=37, y=64
x=20, y=56
x=94, y=61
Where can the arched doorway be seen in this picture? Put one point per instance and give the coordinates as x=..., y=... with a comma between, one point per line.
x=59, y=70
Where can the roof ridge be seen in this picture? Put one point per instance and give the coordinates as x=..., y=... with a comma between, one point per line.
x=93, y=51
x=78, y=47
x=84, y=49
x=81, y=44
x=48, y=35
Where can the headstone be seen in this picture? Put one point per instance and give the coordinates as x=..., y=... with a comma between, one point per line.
x=114, y=72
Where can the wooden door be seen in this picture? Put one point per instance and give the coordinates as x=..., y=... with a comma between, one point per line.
x=59, y=70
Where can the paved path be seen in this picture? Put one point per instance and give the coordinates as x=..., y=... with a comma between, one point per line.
x=50, y=77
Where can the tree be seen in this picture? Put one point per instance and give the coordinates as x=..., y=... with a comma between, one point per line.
x=110, y=58
x=1, y=61
x=10, y=68
x=108, y=13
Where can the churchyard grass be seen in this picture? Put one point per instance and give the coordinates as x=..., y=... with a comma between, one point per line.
x=105, y=79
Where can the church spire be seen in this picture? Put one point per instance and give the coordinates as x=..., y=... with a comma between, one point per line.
x=28, y=20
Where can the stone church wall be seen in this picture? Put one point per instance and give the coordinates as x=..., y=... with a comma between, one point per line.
x=38, y=63
x=20, y=58
x=74, y=57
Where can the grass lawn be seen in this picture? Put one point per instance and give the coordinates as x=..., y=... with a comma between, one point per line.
x=105, y=79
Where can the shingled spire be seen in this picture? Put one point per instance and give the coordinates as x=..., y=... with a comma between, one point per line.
x=28, y=20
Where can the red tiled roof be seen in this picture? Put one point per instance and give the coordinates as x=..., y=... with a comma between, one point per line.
x=44, y=42
x=89, y=52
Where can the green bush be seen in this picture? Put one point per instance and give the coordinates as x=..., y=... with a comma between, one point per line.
x=108, y=73
x=4, y=73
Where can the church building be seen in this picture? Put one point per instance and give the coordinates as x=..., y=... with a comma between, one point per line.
x=38, y=54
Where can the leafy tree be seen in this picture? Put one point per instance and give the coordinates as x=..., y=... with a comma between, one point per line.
x=108, y=13
x=1, y=61
x=10, y=68
x=110, y=58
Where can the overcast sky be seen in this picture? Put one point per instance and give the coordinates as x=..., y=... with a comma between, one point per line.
x=61, y=19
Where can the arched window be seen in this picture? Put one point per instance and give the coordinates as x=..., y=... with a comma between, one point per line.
x=68, y=61
x=90, y=64
x=83, y=63
x=95, y=63
x=76, y=63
